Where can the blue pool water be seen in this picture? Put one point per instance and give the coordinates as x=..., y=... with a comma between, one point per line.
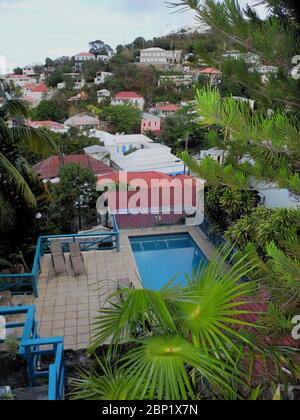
x=162, y=257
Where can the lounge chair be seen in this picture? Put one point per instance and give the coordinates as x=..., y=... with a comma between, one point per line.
x=58, y=258
x=76, y=258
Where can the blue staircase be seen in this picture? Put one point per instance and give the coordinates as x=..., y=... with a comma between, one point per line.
x=34, y=350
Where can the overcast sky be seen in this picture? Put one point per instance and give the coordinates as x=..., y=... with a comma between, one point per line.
x=31, y=30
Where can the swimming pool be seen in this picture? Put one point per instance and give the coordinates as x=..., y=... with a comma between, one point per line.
x=162, y=257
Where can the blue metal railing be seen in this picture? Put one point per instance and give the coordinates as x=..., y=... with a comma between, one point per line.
x=32, y=348
x=219, y=241
x=20, y=283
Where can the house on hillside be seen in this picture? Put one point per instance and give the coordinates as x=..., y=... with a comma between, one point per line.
x=265, y=72
x=49, y=169
x=103, y=94
x=19, y=80
x=274, y=197
x=83, y=122
x=155, y=157
x=34, y=93
x=83, y=57
x=51, y=125
x=165, y=110
x=177, y=80
x=98, y=152
x=101, y=77
x=159, y=57
x=79, y=81
x=133, y=98
x=211, y=73
x=121, y=143
x=151, y=123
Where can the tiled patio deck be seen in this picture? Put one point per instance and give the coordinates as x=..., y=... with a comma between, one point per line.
x=67, y=306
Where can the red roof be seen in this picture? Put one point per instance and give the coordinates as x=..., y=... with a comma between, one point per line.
x=40, y=89
x=155, y=196
x=18, y=76
x=49, y=124
x=128, y=95
x=84, y=54
x=29, y=86
x=210, y=70
x=49, y=168
x=168, y=107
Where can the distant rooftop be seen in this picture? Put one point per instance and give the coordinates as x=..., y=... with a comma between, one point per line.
x=168, y=107
x=127, y=95
x=49, y=124
x=49, y=168
x=82, y=120
x=84, y=54
x=210, y=70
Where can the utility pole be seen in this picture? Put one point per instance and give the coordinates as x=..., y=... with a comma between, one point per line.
x=186, y=147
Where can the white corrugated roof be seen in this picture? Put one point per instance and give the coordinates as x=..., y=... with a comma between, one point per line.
x=148, y=160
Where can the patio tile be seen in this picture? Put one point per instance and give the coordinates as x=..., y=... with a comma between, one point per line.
x=68, y=305
x=59, y=316
x=71, y=323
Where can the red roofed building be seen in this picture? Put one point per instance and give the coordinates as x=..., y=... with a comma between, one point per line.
x=145, y=199
x=165, y=110
x=82, y=58
x=35, y=92
x=211, y=72
x=133, y=98
x=51, y=125
x=49, y=169
x=18, y=79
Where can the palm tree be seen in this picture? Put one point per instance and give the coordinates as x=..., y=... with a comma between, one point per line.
x=16, y=176
x=184, y=341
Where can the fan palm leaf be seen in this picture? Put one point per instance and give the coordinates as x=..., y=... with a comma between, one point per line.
x=161, y=368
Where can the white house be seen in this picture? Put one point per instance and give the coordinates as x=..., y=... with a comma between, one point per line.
x=158, y=159
x=165, y=110
x=214, y=153
x=177, y=80
x=249, y=58
x=265, y=72
x=19, y=80
x=101, y=153
x=273, y=197
x=83, y=122
x=158, y=56
x=121, y=143
x=83, y=57
x=133, y=98
x=29, y=71
x=102, y=94
x=101, y=77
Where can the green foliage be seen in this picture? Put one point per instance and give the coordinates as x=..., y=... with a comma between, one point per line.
x=52, y=110
x=123, y=118
x=21, y=187
x=18, y=70
x=12, y=345
x=183, y=340
x=263, y=226
x=73, y=198
x=276, y=322
x=224, y=206
x=179, y=127
x=56, y=77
